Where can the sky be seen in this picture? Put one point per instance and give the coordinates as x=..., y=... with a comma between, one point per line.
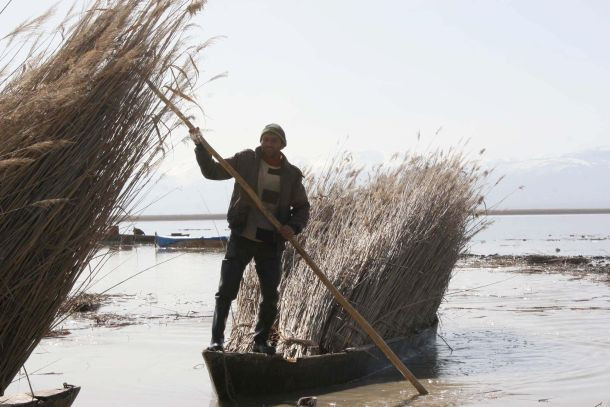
x=519, y=78
x=522, y=79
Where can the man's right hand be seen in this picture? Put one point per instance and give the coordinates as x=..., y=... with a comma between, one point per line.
x=287, y=232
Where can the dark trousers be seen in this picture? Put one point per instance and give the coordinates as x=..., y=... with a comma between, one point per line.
x=267, y=257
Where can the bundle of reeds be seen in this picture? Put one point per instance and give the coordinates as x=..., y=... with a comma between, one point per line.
x=388, y=239
x=80, y=132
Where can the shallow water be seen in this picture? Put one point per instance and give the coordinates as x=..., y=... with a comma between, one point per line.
x=512, y=338
x=566, y=235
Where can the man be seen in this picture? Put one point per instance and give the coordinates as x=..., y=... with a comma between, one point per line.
x=279, y=186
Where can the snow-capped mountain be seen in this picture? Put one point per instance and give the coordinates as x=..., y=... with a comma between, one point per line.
x=577, y=180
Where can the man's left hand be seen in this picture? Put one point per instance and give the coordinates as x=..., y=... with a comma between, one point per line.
x=287, y=232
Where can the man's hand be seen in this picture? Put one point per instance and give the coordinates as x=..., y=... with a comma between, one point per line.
x=287, y=232
x=194, y=133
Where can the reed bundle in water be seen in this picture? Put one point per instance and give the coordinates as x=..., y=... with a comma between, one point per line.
x=388, y=243
x=80, y=132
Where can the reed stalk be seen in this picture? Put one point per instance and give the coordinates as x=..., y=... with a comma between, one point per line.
x=387, y=238
x=80, y=135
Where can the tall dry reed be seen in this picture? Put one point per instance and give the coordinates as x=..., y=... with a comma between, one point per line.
x=80, y=133
x=388, y=239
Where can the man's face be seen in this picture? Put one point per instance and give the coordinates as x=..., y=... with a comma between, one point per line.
x=271, y=145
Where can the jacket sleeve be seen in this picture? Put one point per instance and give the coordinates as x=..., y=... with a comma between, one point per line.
x=210, y=168
x=299, y=213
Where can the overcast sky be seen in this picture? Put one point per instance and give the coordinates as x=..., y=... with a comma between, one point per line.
x=522, y=79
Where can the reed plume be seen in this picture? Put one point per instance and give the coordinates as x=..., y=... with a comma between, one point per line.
x=388, y=239
x=80, y=133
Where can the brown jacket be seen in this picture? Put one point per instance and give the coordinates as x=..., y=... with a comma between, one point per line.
x=293, y=209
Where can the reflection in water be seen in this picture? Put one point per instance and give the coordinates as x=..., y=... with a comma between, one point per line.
x=517, y=339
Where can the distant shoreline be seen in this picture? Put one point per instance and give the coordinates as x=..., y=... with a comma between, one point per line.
x=491, y=212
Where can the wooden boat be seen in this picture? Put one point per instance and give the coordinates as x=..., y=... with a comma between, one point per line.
x=247, y=375
x=63, y=397
x=190, y=242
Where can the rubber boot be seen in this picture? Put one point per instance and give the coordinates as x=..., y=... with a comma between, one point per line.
x=221, y=313
x=263, y=347
x=266, y=317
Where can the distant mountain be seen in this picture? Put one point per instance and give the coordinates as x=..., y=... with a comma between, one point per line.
x=577, y=180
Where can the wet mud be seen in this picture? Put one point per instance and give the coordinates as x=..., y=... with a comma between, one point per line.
x=586, y=266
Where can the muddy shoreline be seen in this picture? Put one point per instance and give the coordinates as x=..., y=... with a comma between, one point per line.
x=536, y=263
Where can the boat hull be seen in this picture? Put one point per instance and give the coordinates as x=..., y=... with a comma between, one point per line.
x=248, y=375
x=63, y=397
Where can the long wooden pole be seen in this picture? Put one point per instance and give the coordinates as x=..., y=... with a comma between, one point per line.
x=198, y=138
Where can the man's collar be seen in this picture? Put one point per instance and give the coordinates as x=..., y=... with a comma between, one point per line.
x=274, y=162
x=259, y=154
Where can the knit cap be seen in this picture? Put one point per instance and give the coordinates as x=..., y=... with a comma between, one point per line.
x=275, y=129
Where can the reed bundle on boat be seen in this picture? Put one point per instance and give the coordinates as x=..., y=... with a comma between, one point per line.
x=80, y=132
x=388, y=239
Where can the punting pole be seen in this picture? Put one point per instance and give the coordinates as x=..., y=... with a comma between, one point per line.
x=198, y=138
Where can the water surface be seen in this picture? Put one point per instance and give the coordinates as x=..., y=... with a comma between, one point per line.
x=506, y=338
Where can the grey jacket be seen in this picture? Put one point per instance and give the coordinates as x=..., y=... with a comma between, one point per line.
x=293, y=209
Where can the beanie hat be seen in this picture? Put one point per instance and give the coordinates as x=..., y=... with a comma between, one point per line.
x=275, y=129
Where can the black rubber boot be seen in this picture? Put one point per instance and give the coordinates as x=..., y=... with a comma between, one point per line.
x=262, y=330
x=266, y=317
x=267, y=312
x=221, y=313
x=215, y=347
x=263, y=347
